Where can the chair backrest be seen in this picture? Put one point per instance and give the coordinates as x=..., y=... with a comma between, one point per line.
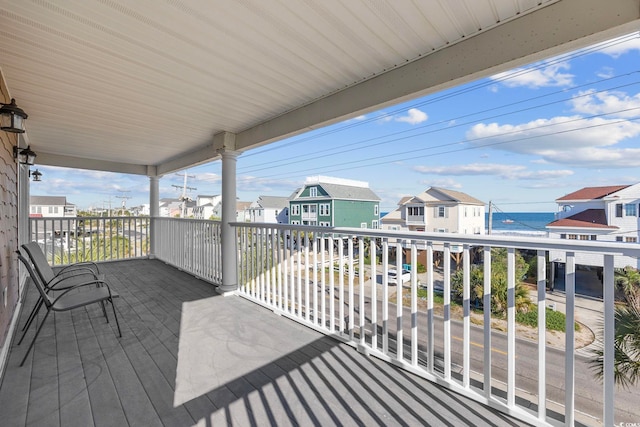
x=40, y=262
x=35, y=279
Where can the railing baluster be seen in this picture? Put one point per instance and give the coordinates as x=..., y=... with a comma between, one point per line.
x=569, y=368
x=414, y=303
x=307, y=303
x=466, y=320
x=399, y=305
x=430, y=323
x=511, y=327
x=385, y=296
x=341, y=284
x=351, y=323
x=608, y=387
x=361, y=280
x=446, y=265
x=374, y=293
x=542, y=328
x=486, y=309
x=332, y=308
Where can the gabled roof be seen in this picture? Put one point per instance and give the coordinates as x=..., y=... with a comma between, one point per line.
x=590, y=218
x=48, y=200
x=592, y=193
x=435, y=194
x=273, y=202
x=347, y=192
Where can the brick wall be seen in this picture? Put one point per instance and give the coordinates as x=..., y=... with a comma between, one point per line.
x=8, y=225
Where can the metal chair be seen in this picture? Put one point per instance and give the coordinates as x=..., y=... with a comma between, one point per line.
x=98, y=291
x=64, y=279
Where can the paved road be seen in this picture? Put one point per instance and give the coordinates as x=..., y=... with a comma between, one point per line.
x=588, y=397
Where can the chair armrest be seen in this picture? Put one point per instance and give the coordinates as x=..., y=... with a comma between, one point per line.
x=80, y=285
x=59, y=281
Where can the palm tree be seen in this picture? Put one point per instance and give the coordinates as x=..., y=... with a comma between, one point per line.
x=626, y=348
x=627, y=332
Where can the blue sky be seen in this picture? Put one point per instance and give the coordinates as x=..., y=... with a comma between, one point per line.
x=520, y=139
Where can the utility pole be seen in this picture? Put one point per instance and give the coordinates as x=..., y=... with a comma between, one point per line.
x=124, y=200
x=108, y=201
x=490, y=217
x=183, y=198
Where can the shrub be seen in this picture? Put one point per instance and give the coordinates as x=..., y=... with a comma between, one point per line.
x=556, y=320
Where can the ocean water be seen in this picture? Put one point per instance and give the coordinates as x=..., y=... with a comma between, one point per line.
x=523, y=222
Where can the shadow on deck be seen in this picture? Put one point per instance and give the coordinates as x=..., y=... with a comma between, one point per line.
x=190, y=357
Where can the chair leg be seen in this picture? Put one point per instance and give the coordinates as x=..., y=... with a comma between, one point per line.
x=104, y=311
x=116, y=317
x=33, y=315
x=34, y=338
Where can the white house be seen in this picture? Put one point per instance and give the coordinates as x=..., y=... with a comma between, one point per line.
x=437, y=210
x=270, y=209
x=609, y=214
x=51, y=206
x=208, y=207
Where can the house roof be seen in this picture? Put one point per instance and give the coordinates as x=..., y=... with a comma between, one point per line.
x=435, y=194
x=273, y=202
x=348, y=192
x=241, y=206
x=48, y=200
x=590, y=218
x=592, y=193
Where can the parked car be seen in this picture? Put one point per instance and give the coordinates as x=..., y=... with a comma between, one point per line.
x=393, y=279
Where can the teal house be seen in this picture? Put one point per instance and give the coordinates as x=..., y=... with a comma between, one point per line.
x=335, y=202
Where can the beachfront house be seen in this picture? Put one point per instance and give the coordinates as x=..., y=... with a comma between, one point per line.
x=607, y=214
x=335, y=202
x=437, y=210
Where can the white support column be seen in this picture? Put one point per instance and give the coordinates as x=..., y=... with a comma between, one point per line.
x=154, y=212
x=229, y=255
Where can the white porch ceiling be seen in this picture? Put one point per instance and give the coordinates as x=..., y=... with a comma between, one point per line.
x=143, y=86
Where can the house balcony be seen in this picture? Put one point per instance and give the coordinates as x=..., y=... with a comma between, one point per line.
x=300, y=344
x=416, y=220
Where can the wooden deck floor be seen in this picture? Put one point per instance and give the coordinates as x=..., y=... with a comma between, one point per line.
x=190, y=357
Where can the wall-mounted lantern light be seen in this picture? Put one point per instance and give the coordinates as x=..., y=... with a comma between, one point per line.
x=24, y=155
x=36, y=175
x=12, y=117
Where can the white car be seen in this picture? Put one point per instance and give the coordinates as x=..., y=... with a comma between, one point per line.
x=393, y=279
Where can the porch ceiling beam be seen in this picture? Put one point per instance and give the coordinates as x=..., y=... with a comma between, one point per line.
x=49, y=159
x=563, y=26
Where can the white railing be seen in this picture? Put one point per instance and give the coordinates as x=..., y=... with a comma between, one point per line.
x=192, y=245
x=67, y=240
x=295, y=271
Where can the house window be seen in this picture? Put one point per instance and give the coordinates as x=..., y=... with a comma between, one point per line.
x=313, y=192
x=618, y=238
x=563, y=236
x=440, y=211
x=363, y=225
x=465, y=212
x=295, y=210
x=295, y=222
x=594, y=237
x=572, y=236
x=375, y=211
x=39, y=209
x=584, y=237
x=416, y=210
x=619, y=210
x=325, y=209
x=374, y=224
x=630, y=209
x=631, y=239
x=324, y=224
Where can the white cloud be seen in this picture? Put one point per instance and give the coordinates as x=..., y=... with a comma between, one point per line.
x=616, y=104
x=548, y=137
x=606, y=73
x=619, y=46
x=443, y=183
x=537, y=76
x=413, y=117
x=494, y=169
